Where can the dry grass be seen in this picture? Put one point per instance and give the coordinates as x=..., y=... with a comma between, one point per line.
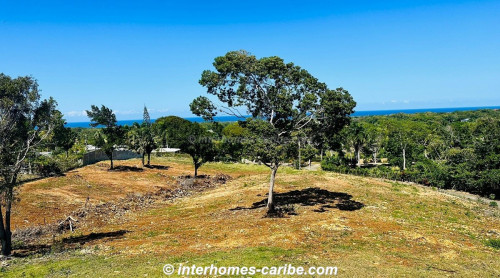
x=399, y=230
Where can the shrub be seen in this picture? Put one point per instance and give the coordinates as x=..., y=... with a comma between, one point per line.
x=494, y=243
x=46, y=166
x=334, y=163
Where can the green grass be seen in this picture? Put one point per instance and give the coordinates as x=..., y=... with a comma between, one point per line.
x=402, y=231
x=494, y=243
x=75, y=264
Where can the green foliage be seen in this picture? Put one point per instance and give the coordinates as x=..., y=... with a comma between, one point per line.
x=26, y=122
x=47, y=167
x=335, y=163
x=169, y=131
x=231, y=147
x=309, y=152
x=494, y=243
x=101, y=116
x=141, y=139
x=203, y=107
x=111, y=135
x=198, y=144
x=64, y=137
x=281, y=98
x=459, y=150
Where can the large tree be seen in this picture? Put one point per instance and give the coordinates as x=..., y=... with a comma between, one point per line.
x=280, y=97
x=166, y=130
x=25, y=122
x=111, y=134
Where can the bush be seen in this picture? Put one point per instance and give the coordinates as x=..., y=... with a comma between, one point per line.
x=430, y=173
x=47, y=167
x=489, y=182
x=333, y=163
x=493, y=204
x=67, y=163
x=494, y=243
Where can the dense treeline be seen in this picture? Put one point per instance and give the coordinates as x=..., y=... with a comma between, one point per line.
x=459, y=150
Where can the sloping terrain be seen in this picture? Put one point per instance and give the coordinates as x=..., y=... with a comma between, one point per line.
x=132, y=221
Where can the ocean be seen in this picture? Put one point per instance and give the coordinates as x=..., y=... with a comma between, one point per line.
x=355, y=114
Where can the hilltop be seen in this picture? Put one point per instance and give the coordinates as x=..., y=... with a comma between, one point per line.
x=133, y=220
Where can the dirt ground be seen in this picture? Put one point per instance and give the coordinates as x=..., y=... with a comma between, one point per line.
x=365, y=226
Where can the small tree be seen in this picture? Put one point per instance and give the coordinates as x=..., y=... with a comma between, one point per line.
x=141, y=138
x=64, y=137
x=198, y=144
x=111, y=134
x=309, y=152
x=375, y=139
x=281, y=98
x=401, y=143
x=357, y=138
x=25, y=122
x=232, y=147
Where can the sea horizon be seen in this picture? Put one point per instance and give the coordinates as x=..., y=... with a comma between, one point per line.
x=364, y=113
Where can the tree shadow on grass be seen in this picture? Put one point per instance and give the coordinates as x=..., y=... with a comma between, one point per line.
x=158, y=167
x=65, y=244
x=125, y=168
x=94, y=236
x=309, y=197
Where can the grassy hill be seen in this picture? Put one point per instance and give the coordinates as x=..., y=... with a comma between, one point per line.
x=132, y=221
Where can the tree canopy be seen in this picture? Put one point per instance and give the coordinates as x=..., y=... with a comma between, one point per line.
x=281, y=98
x=25, y=122
x=111, y=135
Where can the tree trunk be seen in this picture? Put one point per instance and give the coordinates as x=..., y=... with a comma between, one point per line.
x=149, y=159
x=358, y=160
x=375, y=157
x=2, y=233
x=321, y=155
x=309, y=164
x=270, y=197
x=404, y=159
x=5, y=232
x=142, y=160
x=195, y=170
x=111, y=159
x=299, y=155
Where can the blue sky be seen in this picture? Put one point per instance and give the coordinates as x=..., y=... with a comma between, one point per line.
x=126, y=54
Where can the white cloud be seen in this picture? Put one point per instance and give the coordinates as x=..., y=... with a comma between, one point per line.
x=75, y=113
x=127, y=112
x=153, y=110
